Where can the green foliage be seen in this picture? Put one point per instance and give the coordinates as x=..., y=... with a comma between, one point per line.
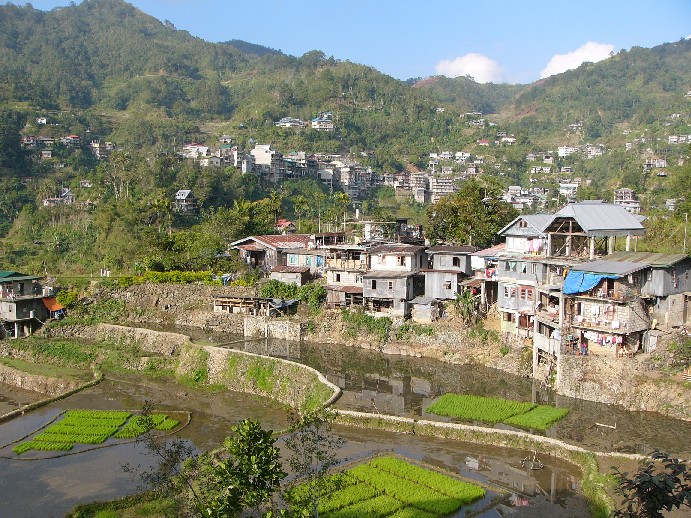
x=57, y=351
x=411, y=328
x=261, y=373
x=358, y=322
x=67, y=298
x=90, y=313
x=661, y=483
x=473, y=215
x=246, y=478
x=274, y=289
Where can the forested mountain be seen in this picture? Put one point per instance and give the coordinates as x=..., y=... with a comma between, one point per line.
x=103, y=70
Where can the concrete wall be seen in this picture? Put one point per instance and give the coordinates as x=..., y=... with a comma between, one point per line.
x=283, y=329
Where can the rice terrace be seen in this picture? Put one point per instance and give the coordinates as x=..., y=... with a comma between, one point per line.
x=496, y=410
x=392, y=487
x=92, y=427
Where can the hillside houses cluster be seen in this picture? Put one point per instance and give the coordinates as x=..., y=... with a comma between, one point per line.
x=570, y=282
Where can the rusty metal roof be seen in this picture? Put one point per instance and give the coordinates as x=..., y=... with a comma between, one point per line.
x=346, y=289
x=396, y=248
x=654, y=259
x=290, y=269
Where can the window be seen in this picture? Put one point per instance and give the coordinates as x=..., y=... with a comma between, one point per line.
x=400, y=260
x=533, y=268
x=526, y=294
x=390, y=285
x=456, y=261
x=509, y=292
x=358, y=279
x=338, y=277
x=374, y=284
x=447, y=285
x=522, y=224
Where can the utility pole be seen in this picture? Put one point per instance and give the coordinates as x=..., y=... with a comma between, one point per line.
x=686, y=224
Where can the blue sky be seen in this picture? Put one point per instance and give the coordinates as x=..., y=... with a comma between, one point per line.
x=500, y=41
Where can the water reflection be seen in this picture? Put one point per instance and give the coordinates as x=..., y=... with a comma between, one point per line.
x=405, y=386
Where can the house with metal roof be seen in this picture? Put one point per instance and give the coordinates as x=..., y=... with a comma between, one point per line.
x=448, y=267
x=590, y=228
x=23, y=304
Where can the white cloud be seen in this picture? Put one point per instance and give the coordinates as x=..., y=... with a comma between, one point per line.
x=479, y=67
x=591, y=51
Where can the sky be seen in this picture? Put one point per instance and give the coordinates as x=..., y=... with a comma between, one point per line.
x=499, y=41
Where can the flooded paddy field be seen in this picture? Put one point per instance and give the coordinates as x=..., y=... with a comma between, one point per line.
x=53, y=486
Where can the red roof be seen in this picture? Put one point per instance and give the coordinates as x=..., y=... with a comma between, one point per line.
x=52, y=304
x=346, y=289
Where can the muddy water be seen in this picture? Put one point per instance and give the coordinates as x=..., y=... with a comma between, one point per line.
x=53, y=486
x=405, y=386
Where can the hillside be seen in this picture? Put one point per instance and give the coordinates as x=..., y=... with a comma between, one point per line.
x=106, y=72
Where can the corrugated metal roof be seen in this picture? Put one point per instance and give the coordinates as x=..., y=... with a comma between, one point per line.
x=654, y=259
x=491, y=251
x=610, y=267
x=346, y=289
x=539, y=222
x=396, y=248
x=386, y=274
x=275, y=241
x=602, y=219
x=290, y=269
x=451, y=249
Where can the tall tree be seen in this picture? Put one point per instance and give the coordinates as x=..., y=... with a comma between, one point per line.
x=471, y=216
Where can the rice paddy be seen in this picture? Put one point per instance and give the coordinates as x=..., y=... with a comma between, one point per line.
x=391, y=487
x=93, y=427
x=496, y=410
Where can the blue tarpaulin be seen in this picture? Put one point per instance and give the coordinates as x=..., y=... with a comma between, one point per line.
x=579, y=282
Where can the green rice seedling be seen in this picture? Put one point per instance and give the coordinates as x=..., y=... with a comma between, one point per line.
x=22, y=447
x=167, y=424
x=464, y=491
x=478, y=408
x=374, y=508
x=346, y=497
x=412, y=512
x=539, y=418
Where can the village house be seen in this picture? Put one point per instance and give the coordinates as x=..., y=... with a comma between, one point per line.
x=448, y=267
x=24, y=304
x=393, y=279
x=345, y=267
x=298, y=275
x=268, y=163
x=185, y=202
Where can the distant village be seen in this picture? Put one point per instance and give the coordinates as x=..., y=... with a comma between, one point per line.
x=444, y=170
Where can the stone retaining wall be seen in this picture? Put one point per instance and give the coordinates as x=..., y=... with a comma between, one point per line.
x=623, y=381
x=36, y=382
x=285, y=381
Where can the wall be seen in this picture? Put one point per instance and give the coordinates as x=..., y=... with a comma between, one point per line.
x=36, y=382
x=282, y=329
x=622, y=381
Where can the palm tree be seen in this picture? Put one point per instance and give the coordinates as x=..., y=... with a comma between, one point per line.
x=300, y=207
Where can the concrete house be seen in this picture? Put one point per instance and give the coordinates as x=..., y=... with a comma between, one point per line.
x=266, y=252
x=449, y=266
x=298, y=275
x=345, y=267
x=393, y=280
x=185, y=202
x=24, y=305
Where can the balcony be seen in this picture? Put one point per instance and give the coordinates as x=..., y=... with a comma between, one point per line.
x=621, y=295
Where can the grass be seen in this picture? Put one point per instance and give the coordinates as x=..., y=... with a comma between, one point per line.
x=539, y=418
x=51, y=371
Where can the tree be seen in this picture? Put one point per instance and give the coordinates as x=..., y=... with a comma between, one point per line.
x=471, y=216
x=660, y=484
x=314, y=451
x=247, y=477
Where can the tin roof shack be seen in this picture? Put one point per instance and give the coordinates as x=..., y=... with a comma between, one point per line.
x=266, y=252
x=449, y=267
x=603, y=307
x=666, y=288
x=590, y=228
x=22, y=308
x=390, y=292
x=298, y=275
x=425, y=310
